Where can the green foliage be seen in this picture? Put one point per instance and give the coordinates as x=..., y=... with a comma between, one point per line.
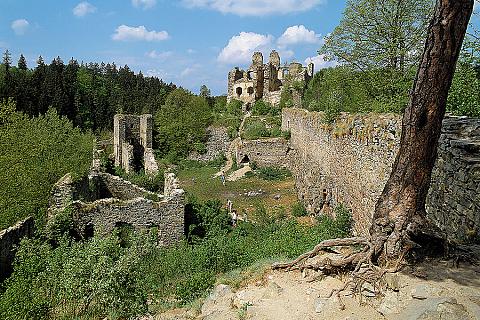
x=342, y=224
x=256, y=128
x=235, y=107
x=220, y=104
x=36, y=153
x=262, y=108
x=464, y=94
x=7, y=110
x=387, y=34
x=298, y=210
x=274, y=173
x=93, y=279
x=181, y=122
x=153, y=183
x=206, y=219
x=88, y=94
x=114, y=276
x=200, y=147
x=343, y=89
x=286, y=99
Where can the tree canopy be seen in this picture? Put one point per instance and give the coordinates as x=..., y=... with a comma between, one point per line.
x=380, y=33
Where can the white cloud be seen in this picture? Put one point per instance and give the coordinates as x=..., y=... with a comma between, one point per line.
x=159, y=55
x=145, y=4
x=140, y=33
x=20, y=26
x=240, y=48
x=254, y=7
x=191, y=51
x=187, y=71
x=298, y=34
x=83, y=8
x=320, y=63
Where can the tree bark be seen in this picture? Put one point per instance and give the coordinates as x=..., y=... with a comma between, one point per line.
x=400, y=215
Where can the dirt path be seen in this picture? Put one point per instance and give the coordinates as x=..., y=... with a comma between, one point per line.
x=432, y=291
x=231, y=150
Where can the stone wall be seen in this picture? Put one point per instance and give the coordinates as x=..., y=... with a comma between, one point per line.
x=349, y=162
x=103, y=215
x=454, y=195
x=272, y=152
x=218, y=143
x=9, y=239
x=102, y=201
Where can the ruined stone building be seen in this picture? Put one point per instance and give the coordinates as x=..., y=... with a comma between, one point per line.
x=265, y=81
x=132, y=143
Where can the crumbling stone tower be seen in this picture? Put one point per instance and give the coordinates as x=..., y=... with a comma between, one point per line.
x=132, y=143
x=264, y=81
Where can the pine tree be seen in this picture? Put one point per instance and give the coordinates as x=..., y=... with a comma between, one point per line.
x=22, y=63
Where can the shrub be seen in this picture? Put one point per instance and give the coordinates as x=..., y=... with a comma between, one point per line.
x=234, y=107
x=200, y=147
x=298, y=210
x=262, y=108
x=273, y=173
x=35, y=154
x=153, y=183
x=115, y=278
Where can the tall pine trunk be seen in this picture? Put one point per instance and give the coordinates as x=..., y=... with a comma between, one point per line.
x=400, y=215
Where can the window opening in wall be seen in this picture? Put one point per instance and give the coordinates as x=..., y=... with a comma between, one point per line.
x=239, y=91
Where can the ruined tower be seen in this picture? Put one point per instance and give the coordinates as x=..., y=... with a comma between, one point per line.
x=132, y=143
x=264, y=80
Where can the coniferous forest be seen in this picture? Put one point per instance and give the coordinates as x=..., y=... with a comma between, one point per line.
x=87, y=94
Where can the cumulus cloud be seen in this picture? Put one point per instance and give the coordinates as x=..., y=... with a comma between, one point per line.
x=140, y=33
x=159, y=55
x=254, y=7
x=83, y=8
x=144, y=4
x=20, y=26
x=298, y=34
x=241, y=47
x=320, y=63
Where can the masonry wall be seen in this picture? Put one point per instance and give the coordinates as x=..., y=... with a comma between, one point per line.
x=104, y=215
x=218, y=143
x=272, y=152
x=351, y=161
x=9, y=239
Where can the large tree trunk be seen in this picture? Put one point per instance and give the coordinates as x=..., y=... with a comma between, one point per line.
x=400, y=214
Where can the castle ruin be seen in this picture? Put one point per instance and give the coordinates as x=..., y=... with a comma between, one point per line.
x=265, y=81
x=132, y=143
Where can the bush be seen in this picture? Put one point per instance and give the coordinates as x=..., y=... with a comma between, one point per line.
x=35, y=154
x=200, y=148
x=262, y=108
x=298, y=210
x=464, y=95
x=273, y=173
x=108, y=277
x=255, y=129
x=342, y=224
x=234, y=107
x=153, y=183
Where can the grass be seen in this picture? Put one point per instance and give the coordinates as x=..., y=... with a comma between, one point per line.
x=200, y=182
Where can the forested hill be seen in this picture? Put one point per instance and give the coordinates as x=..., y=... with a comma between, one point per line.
x=88, y=94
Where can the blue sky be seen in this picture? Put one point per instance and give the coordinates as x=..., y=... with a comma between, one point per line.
x=188, y=42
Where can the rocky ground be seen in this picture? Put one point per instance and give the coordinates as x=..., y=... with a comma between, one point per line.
x=430, y=291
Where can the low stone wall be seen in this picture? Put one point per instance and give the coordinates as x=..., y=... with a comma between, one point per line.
x=9, y=239
x=218, y=143
x=349, y=162
x=102, y=216
x=103, y=201
x=271, y=152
